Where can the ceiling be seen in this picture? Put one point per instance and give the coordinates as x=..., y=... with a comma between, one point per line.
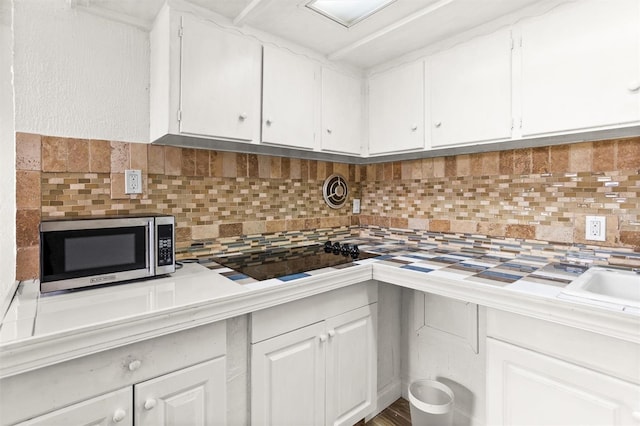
x=399, y=28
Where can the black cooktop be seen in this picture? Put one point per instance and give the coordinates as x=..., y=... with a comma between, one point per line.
x=280, y=262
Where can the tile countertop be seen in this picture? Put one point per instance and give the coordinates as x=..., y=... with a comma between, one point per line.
x=40, y=330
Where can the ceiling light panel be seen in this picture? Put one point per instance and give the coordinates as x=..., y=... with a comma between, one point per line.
x=347, y=12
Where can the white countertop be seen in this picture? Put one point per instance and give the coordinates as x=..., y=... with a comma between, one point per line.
x=41, y=330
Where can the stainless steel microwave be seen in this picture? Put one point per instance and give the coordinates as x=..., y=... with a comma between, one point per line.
x=87, y=252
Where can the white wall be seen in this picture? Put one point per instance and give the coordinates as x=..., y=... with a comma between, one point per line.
x=7, y=160
x=79, y=75
x=75, y=75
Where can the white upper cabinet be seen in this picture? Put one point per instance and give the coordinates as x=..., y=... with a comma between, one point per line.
x=219, y=82
x=469, y=91
x=581, y=67
x=341, y=112
x=290, y=99
x=205, y=81
x=396, y=109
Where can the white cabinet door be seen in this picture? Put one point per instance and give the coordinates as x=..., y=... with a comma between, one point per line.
x=469, y=91
x=192, y=396
x=111, y=409
x=287, y=378
x=219, y=82
x=580, y=66
x=396, y=109
x=290, y=97
x=341, y=112
x=351, y=366
x=528, y=388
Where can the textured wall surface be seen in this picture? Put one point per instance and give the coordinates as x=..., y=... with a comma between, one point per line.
x=541, y=193
x=233, y=202
x=79, y=75
x=222, y=201
x=7, y=159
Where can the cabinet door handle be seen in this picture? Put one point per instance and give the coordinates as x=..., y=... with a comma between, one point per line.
x=323, y=337
x=634, y=86
x=243, y=116
x=438, y=124
x=414, y=127
x=134, y=365
x=329, y=131
x=150, y=403
x=636, y=415
x=119, y=415
x=332, y=333
x=269, y=122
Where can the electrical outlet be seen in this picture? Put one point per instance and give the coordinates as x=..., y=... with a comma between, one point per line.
x=133, y=181
x=596, y=228
x=356, y=206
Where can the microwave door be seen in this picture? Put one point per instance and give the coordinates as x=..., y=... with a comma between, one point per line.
x=95, y=255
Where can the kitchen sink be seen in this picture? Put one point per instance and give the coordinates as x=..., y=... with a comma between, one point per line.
x=621, y=287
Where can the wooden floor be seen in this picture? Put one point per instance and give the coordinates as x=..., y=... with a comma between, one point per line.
x=397, y=414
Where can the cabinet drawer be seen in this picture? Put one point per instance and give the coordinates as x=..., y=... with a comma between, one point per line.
x=290, y=316
x=76, y=380
x=606, y=354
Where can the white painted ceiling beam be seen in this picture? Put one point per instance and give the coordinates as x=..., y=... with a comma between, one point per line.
x=339, y=54
x=242, y=16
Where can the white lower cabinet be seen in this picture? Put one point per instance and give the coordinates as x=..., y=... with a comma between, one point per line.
x=540, y=373
x=528, y=388
x=192, y=396
x=323, y=373
x=175, y=379
x=287, y=378
x=351, y=386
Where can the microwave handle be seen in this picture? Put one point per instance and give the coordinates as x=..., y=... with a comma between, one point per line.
x=151, y=241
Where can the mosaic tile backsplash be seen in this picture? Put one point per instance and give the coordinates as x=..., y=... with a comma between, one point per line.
x=225, y=202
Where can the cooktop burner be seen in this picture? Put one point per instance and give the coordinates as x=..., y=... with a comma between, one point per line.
x=279, y=262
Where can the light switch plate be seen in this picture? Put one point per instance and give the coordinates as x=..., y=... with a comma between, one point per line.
x=133, y=181
x=596, y=227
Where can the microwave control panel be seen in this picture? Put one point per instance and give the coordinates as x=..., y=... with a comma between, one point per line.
x=165, y=245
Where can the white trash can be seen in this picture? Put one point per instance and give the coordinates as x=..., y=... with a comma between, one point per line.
x=431, y=403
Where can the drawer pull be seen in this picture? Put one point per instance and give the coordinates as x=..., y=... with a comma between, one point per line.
x=323, y=337
x=150, y=403
x=134, y=365
x=119, y=415
x=332, y=333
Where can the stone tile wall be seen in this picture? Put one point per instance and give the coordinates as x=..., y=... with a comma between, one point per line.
x=229, y=201
x=221, y=200
x=540, y=193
